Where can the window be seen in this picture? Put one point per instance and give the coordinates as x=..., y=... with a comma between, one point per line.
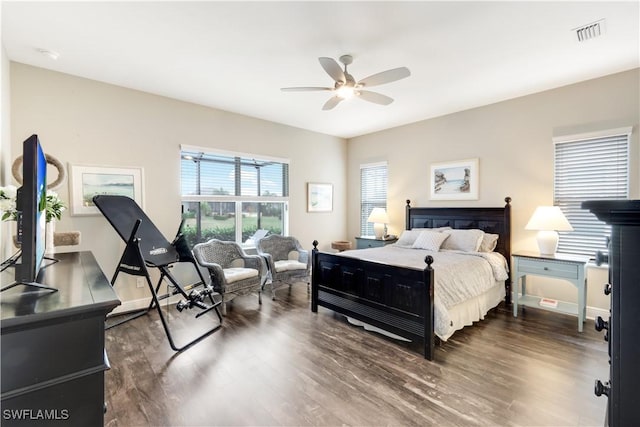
x=589, y=167
x=373, y=193
x=229, y=196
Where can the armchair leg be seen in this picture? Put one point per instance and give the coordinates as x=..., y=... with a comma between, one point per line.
x=224, y=307
x=259, y=297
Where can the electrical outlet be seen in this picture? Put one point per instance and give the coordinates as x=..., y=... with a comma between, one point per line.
x=140, y=282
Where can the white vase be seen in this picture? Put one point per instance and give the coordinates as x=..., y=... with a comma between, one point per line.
x=50, y=229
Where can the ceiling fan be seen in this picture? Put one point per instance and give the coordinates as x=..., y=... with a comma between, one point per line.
x=346, y=86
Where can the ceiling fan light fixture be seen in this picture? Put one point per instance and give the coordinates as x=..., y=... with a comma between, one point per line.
x=345, y=92
x=345, y=86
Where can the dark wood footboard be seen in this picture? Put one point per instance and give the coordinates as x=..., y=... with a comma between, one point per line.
x=396, y=299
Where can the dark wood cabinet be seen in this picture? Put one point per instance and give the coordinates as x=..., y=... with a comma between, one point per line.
x=53, y=355
x=622, y=329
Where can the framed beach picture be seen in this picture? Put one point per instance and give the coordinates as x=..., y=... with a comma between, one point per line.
x=455, y=180
x=319, y=197
x=88, y=181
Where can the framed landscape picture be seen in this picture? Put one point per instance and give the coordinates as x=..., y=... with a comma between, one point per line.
x=319, y=197
x=88, y=181
x=454, y=180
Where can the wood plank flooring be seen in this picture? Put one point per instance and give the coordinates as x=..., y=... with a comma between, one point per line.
x=279, y=364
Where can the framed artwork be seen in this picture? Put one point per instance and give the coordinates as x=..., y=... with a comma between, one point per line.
x=88, y=181
x=455, y=180
x=319, y=197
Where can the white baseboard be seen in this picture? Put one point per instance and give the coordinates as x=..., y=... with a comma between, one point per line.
x=593, y=312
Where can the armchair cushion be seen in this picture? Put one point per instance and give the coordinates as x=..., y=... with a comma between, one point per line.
x=289, y=264
x=233, y=274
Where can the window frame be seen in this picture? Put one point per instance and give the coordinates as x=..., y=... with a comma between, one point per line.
x=239, y=200
x=587, y=228
x=366, y=228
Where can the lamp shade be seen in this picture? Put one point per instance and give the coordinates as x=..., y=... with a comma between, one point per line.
x=378, y=215
x=548, y=218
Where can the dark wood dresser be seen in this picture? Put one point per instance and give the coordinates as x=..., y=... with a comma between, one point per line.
x=623, y=326
x=53, y=355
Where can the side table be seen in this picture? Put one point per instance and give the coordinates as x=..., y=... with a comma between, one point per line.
x=560, y=266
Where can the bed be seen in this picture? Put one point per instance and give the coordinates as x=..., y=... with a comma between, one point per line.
x=384, y=290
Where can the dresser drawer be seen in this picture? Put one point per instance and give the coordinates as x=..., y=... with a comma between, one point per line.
x=548, y=268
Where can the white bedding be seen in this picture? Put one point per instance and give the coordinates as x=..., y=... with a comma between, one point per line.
x=467, y=284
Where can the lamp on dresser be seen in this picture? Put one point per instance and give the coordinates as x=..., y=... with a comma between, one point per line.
x=380, y=220
x=548, y=220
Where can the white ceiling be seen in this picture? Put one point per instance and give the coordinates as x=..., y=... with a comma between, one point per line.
x=236, y=56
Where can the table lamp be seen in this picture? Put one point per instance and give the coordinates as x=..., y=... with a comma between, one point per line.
x=380, y=219
x=548, y=220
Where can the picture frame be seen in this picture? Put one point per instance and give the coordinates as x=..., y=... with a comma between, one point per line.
x=88, y=181
x=457, y=180
x=319, y=197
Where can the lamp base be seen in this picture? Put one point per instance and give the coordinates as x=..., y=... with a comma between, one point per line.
x=379, y=230
x=547, y=242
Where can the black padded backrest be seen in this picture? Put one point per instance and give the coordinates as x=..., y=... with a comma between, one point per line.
x=122, y=213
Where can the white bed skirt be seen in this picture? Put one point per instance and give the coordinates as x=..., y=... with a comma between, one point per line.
x=461, y=315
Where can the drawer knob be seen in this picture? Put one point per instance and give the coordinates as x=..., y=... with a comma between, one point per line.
x=601, y=389
x=607, y=288
x=546, y=268
x=601, y=324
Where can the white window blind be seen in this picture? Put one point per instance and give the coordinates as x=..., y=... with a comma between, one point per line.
x=211, y=174
x=592, y=168
x=373, y=193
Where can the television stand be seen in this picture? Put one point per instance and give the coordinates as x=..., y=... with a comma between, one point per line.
x=40, y=286
x=32, y=284
x=53, y=357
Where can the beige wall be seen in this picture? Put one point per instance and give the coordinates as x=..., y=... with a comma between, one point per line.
x=85, y=122
x=513, y=141
x=5, y=140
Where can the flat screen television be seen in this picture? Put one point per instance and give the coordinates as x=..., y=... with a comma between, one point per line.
x=31, y=203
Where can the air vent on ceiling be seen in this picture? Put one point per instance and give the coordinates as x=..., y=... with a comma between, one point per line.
x=590, y=31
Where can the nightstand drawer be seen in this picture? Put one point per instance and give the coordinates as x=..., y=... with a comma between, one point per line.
x=549, y=268
x=370, y=242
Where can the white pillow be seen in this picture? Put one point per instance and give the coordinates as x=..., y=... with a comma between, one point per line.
x=463, y=240
x=408, y=237
x=489, y=242
x=430, y=240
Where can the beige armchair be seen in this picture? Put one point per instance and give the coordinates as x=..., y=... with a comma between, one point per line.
x=288, y=262
x=232, y=272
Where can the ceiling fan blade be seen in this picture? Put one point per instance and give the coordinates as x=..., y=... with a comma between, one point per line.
x=304, y=89
x=375, y=97
x=333, y=69
x=385, y=77
x=332, y=102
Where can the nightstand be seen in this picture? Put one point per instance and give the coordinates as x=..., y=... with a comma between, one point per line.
x=364, y=242
x=560, y=266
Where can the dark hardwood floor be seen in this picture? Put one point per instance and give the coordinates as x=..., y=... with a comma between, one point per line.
x=279, y=364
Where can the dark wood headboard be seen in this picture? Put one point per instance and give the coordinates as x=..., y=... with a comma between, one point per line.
x=490, y=220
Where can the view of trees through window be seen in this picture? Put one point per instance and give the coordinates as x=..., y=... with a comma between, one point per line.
x=229, y=198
